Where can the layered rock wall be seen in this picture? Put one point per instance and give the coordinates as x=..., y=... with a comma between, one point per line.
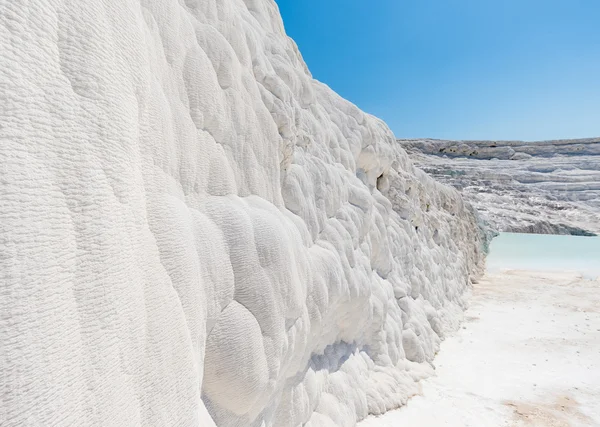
x=194, y=232
x=546, y=187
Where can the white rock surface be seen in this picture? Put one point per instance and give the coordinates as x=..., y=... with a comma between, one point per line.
x=526, y=357
x=548, y=187
x=194, y=232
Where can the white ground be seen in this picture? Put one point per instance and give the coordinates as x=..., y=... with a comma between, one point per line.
x=528, y=354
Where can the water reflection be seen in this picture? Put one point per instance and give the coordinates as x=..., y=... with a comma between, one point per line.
x=518, y=251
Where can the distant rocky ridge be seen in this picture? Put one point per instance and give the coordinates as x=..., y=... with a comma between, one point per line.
x=545, y=187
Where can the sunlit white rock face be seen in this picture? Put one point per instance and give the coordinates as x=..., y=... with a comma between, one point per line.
x=194, y=232
x=546, y=187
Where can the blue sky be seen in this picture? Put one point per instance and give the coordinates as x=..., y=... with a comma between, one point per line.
x=459, y=69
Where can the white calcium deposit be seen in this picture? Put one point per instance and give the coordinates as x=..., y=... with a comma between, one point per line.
x=544, y=187
x=194, y=232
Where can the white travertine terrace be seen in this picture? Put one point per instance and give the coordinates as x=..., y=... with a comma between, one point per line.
x=194, y=232
x=546, y=187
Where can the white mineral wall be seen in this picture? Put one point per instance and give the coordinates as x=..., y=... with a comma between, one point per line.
x=194, y=232
x=547, y=187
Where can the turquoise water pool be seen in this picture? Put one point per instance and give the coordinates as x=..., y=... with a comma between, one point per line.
x=522, y=251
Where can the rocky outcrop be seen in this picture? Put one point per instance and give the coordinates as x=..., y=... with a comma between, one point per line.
x=197, y=233
x=549, y=187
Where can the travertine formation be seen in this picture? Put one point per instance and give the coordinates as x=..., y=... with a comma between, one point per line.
x=194, y=232
x=548, y=187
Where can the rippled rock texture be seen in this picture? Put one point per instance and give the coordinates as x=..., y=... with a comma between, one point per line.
x=547, y=187
x=194, y=232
